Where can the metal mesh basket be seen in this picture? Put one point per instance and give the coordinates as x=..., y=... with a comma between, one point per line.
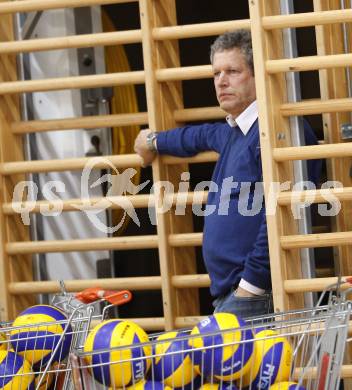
x=305, y=346
x=35, y=355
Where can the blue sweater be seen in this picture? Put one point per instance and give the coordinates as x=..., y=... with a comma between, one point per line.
x=235, y=243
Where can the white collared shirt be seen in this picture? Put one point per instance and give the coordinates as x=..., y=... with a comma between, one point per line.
x=246, y=119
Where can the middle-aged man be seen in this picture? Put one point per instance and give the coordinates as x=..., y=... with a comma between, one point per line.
x=235, y=244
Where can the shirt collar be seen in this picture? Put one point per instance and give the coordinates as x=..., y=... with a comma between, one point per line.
x=246, y=119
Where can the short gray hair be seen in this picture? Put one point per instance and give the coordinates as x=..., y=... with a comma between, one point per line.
x=240, y=39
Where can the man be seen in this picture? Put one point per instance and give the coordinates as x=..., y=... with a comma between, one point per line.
x=235, y=245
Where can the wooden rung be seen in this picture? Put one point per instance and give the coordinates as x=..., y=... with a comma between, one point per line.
x=198, y=30
x=82, y=245
x=112, y=202
x=10, y=7
x=184, y=73
x=130, y=119
x=316, y=240
x=103, y=80
x=315, y=106
x=149, y=324
x=318, y=327
x=311, y=285
x=312, y=152
x=52, y=287
x=153, y=324
x=74, y=41
x=307, y=19
x=190, y=281
x=121, y=37
x=199, y=158
x=157, y=323
x=129, y=283
x=141, y=118
x=96, y=244
x=301, y=64
x=185, y=239
x=86, y=122
x=75, y=82
x=312, y=373
x=188, y=322
x=314, y=196
x=70, y=164
x=196, y=114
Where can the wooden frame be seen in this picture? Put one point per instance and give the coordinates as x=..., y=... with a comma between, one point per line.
x=12, y=268
x=273, y=112
x=158, y=34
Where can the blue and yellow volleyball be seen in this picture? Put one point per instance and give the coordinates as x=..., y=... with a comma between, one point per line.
x=172, y=363
x=195, y=384
x=120, y=366
x=287, y=386
x=224, y=348
x=149, y=385
x=37, y=332
x=3, y=341
x=272, y=360
x=219, y=386
x=15, y=372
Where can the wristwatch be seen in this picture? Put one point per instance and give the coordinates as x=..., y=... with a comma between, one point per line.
x=151, y=137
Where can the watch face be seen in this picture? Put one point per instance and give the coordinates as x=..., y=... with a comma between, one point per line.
x=150, y=141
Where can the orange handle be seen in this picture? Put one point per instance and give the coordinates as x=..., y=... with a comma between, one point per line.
x=93, y=294
x=118, y=298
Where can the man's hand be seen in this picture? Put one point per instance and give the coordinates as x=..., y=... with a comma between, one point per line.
x=141, y=148
x=241, y=292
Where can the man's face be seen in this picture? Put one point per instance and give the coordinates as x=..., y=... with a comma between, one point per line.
x=233, y=80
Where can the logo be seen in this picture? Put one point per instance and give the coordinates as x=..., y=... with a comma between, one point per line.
x=118, y=185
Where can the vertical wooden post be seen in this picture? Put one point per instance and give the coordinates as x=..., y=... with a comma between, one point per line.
x=162, y=100
x=333, y=84
x=271, y=92
x=16, y=268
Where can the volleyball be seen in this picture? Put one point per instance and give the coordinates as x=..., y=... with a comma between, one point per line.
x=148, y=385
x=272, y=360
x=121, y=366
x=3, y=341
x=195, y=384
x=286, y=386
x=37, y=332
x=172, y=362
x=223, y=349
x=15, y=372
x=219, y=386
